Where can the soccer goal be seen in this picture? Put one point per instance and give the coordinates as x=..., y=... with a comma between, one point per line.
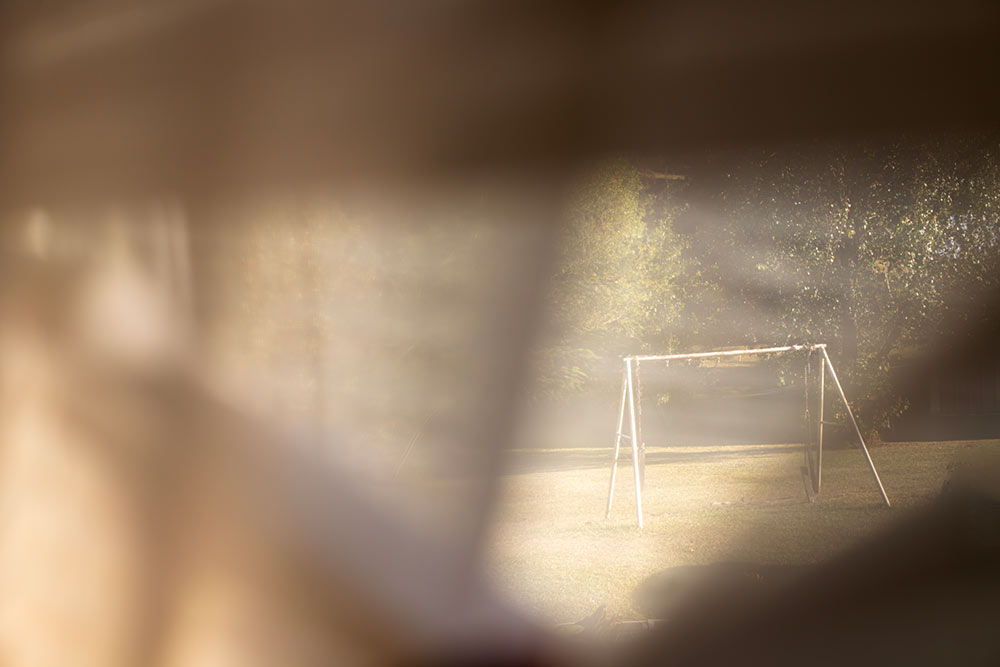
x=816, y=363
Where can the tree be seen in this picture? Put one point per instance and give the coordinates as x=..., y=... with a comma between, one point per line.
x=863, y=247
x=614, y=288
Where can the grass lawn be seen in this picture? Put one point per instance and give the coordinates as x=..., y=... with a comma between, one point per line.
x=556, y=556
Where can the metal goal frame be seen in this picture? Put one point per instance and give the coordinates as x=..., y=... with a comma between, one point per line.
x=630, y=394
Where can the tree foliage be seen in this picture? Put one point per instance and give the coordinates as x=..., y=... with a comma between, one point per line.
x=614, y=289
x=868, y=248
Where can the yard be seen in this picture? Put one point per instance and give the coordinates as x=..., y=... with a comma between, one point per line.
x=557, y=557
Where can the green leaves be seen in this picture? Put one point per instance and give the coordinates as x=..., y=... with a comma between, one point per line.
x=866, y=248
x=614, y=288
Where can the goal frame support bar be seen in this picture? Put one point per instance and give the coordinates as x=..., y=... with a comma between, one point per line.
x=628, y=396
x=629, y=399
x=728, y=353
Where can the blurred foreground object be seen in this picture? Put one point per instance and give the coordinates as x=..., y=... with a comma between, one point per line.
x=145, y=522
x=922, y=593
x=105, y=100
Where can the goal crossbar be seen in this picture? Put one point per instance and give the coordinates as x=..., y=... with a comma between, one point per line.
x=727, y=353
x=630, y=401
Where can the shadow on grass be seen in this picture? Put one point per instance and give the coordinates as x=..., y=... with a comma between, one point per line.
x=679, y=589
x=528, y=461
x=922, y=590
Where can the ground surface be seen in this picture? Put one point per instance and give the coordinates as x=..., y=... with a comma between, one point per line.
x=557, y=557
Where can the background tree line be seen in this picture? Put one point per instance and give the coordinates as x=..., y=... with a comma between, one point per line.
x=874, y=249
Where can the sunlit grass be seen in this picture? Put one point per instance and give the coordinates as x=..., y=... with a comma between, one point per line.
x=554, y=553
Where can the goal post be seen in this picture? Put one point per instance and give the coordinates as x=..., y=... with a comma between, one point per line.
x=629, y=426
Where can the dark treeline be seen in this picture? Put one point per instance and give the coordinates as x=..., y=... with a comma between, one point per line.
x=881, y=250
